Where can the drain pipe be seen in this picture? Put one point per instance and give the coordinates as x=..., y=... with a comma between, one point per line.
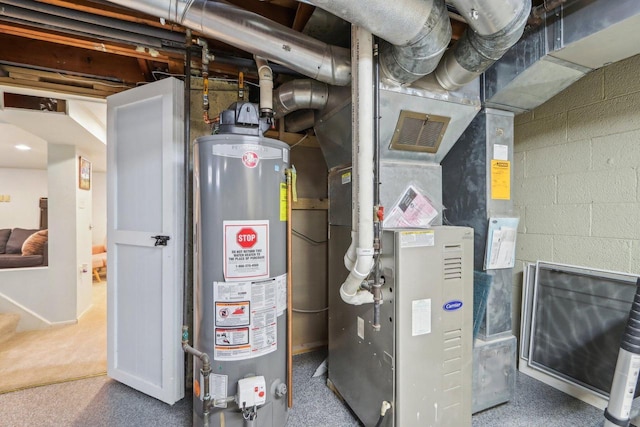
x=494, y=26
x=376, y=288
x=362, y=88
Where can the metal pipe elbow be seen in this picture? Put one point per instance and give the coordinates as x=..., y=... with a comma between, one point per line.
x=407, y=63
x=300, y=94
x=474, y=53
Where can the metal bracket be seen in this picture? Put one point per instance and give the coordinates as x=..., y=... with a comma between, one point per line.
x=161, y=240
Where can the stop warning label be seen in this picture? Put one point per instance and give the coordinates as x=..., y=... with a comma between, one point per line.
x=246, y=250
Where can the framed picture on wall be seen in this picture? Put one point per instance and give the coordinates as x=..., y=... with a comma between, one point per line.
x=84, y=174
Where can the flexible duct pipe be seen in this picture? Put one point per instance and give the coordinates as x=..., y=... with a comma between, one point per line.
x=495, y=26
x=417, y=32
x=255, y=34
x=362, y=56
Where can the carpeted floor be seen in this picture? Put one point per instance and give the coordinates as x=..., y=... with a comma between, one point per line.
x=49, y=356
x=102, y=402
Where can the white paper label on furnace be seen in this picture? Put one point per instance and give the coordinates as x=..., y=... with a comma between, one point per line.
x=500, y=152
x=414, y=239
x=246, y=250
x=420, y=317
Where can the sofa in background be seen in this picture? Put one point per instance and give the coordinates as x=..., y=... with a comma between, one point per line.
x=98, y=260
x=11, y=248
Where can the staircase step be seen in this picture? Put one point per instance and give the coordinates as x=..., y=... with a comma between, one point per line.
x=8, y=325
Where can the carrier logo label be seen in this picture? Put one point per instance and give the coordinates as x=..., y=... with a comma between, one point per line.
x=250, y=159
x=452, y=305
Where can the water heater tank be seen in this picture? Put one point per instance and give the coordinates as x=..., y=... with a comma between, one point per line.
x=240, y=294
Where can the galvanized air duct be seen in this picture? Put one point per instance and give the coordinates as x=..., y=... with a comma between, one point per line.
x=416, y=32
x=298, y=95
x=495, y=26
x=255, y=34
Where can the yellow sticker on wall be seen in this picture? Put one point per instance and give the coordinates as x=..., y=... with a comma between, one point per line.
x=283, y=201
x=500, y=180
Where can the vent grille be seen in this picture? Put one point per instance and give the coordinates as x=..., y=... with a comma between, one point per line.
x=419, y=132
x=453, y=268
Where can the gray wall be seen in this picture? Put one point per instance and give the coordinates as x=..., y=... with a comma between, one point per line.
x=577, y=169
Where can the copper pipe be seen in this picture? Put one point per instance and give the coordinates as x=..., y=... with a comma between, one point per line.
x=289, y=294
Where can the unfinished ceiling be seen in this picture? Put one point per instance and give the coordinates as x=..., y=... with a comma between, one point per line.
x=95, y=48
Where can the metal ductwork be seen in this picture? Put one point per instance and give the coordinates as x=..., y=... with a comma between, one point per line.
x=577, y=38
x=255, y=34
x=300, y=94
x=416, y=32
x=495, y=26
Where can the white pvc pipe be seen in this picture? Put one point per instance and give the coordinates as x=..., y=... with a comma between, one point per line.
x=362, y=171
x=266, y=85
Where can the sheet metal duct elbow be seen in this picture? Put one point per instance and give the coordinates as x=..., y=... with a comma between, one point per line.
x=416, y=32
x=490, y=34
x=300, y=94
x=408, y=63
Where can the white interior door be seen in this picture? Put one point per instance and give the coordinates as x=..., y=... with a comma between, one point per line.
x=145, y=198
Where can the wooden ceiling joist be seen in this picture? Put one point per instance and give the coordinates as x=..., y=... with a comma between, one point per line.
x=52, y=56
x=86, y=43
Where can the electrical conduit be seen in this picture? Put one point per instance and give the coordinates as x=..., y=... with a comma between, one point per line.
x=362, y=94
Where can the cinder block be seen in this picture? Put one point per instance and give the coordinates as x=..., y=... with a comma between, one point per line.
x=540, y=133
x=588, y=90
x=535, y=191
x=594, y=252
x=563, y=158
x=606, y=186
x=572, y=220
x=518, y=166
x=520, y=212
x=634, y=265
x=616, y=220
x=533, y=247
x=621, y=78
x=616, y=151
x=616, y=115
x=521, y=118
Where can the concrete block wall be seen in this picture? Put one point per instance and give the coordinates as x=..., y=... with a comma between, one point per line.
x=577, y=174
x=577, y=168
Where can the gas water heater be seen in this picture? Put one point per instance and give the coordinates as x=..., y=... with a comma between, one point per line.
x=240, y=294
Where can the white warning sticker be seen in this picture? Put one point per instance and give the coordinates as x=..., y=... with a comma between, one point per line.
x=246, y=328
x=232, y=314
x=417, y=238
x=281, y=284
x=420, y=317
x=232, y=337
x=246, y=250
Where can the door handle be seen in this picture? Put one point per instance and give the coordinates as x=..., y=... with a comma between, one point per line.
x=161, y=240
